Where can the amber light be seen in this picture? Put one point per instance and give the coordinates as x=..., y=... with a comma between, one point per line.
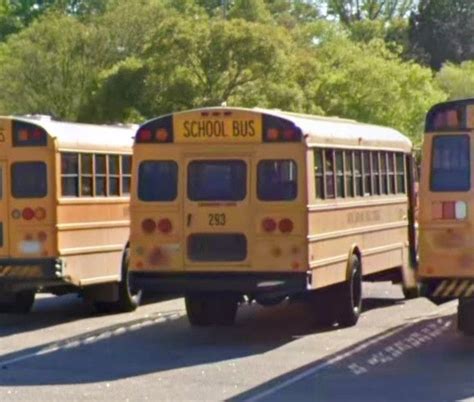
x=23, y=135
x=28, y=214
x=148, y=225
x=285, y=225
x=40, y=213
x=269, y=225
x=272, y=134
x=161, y=135
x=165, y=226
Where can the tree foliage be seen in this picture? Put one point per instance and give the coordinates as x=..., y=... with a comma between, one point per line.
x=442, y=30
x=129, y=60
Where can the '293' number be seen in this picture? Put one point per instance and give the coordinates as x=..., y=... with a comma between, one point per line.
x=217, y=219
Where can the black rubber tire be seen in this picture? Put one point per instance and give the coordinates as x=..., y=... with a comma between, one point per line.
x=466, y=316
x=225, y=309
x=127, y=300
x=350, y=295
x=22, y=303
x=198, y=309
x=210, y=308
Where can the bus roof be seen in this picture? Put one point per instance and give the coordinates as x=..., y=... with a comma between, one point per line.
x=321, y=130
x=81, y=136
x=337, y=131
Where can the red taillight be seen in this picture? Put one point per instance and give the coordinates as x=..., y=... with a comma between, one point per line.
x=448, y=210
x=285, y=225
x=289, y=134
x=40, y=213
x=28, y=214
x=148, y=225
x=269, y=225
x=165, y=226
x=36, y=134
x=144, y=135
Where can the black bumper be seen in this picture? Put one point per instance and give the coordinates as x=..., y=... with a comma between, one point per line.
x=25, y=273
x=247, y=283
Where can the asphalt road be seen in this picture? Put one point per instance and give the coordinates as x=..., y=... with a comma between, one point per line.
x=400, y=350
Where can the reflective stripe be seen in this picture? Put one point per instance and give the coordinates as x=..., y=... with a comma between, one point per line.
x=450, y=288
x=440, y=288
x=470, y=290
x=461, y=288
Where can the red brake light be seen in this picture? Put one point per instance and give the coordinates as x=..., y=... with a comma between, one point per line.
x=448, y=210
x=165, y=226
x=144, y=135
x=289, y=134
x=285, y=225
x=269, y=225
x=148, y=225
x=28, y=214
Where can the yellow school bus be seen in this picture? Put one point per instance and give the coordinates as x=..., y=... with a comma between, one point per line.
x=446, y=254
x=64, y=212
x=235, y=204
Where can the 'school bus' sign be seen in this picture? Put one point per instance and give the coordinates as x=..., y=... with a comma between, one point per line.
x=217, y=126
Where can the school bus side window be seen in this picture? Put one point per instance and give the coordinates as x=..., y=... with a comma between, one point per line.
x=400, y=173
x=70, y=174
x=318, y=173
x=126, y=173
x=158, y=181
x=329, y=173
x=86, y=175
x=29, y=180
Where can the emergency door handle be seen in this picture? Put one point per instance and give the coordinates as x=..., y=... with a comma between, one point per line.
x=189, y=219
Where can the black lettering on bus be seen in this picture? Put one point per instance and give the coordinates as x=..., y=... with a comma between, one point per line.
x=187, y=129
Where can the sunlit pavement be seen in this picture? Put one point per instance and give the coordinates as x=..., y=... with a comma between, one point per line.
x=400, y=350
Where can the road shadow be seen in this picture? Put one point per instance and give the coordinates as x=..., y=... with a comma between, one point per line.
x=49, y=310
x=403, y=363
x=163, y=341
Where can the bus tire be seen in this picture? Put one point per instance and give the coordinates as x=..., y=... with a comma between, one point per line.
x=225, y=309
x=350, y=295
x=128, y=300
x=466, y=316
x=198, y=309
x=22, y=303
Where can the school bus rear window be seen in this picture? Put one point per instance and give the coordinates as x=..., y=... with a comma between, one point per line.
x=277, y=180
x=29, y=180
x=450, y=163
x=158, y=181
x=216, y=180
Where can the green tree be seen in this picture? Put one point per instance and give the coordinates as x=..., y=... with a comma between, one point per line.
x=48, y=68
x=457, y=80
x=250, y=10
x=349, y=11
x=369, y=83
x=442, y=30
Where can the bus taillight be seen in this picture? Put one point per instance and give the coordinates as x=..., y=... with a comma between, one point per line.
x=165, y=226
x=269, y=225
x=28, y=135
x=144, y=135
x=148, y=225
x=28, y=214
x=450, y=210
x=286, y=225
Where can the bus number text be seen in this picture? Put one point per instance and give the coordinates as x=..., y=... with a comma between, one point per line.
x=217, y=220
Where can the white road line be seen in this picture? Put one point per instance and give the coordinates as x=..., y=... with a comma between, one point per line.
x=90, y=338
x=312, y=371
